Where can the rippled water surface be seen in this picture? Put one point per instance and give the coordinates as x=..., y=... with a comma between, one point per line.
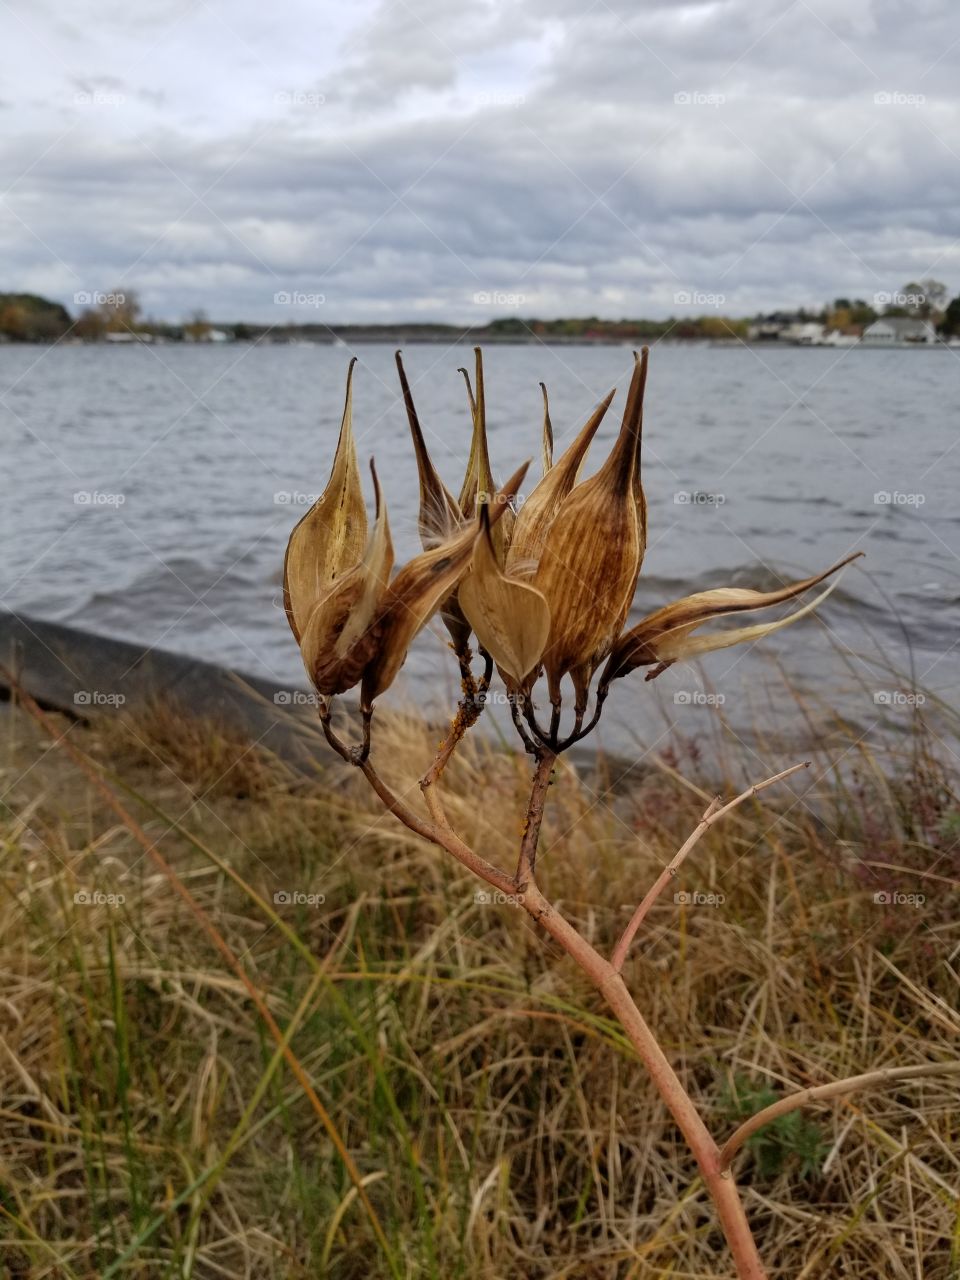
x=759, y=464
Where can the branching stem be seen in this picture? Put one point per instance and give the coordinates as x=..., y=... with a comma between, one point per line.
x=527, y=863
x=713, y=813
x=608, y=982
x=822, y=1092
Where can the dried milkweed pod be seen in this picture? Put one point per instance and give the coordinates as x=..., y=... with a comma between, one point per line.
x=330, y=538
x=540, y=509
x=478, y=480
x=417, y=592
x=440, y=514
x=666, y=636
x=547, y=591
x=546, y=447
x=591, y=558
x=511, y=619
x=338, y=642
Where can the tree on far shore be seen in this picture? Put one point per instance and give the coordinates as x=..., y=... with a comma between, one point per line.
x=950, y=325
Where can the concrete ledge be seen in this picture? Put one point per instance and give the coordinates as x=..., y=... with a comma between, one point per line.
x=89, y=676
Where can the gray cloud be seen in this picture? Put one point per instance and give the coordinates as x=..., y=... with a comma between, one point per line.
x=411, y=155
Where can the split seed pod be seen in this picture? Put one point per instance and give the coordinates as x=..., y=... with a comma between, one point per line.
x=440, y=514
x=592, y=555
x=511, y=619
x=539, y=511
x=665, y=637
x=337, y=642
x=547, y=445
x=330, y=538
x=417, y=592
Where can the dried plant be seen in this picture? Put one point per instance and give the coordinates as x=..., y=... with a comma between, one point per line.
x=545, y=589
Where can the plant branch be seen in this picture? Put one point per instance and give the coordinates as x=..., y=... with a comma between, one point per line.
x=610, y=985
x=527, y=862
x=352, y=755
x=469, y=709
x=820, y=1093
x=528, y=743
x=713, y=813
x=441, y=834
x=468, y=713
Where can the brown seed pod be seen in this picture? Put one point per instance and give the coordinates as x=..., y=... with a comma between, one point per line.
x=540, y=509
x=591, y=558
x=416, y=593
x=511, y=619
x=666, y=636
x=330, y=538
x=337, y=645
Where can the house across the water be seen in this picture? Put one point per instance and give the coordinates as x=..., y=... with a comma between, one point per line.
x=899, y=331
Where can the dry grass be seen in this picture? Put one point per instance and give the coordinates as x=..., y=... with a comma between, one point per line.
x=499, y=1121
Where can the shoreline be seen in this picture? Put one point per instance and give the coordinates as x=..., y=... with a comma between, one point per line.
x=402, y=338
x=93, y=678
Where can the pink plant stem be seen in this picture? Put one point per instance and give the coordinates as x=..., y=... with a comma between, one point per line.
x=823, y=1092
x=713, y=813
x=608, y=982
x=720, y=1184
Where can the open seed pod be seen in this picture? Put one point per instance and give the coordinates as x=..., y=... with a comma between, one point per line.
x=591, y=558
x=337, y=642
x=511, y=619
x=417, y=592
x=330, y=538
x=666, y=636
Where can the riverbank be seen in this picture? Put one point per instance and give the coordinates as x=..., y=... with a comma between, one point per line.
x=495, y=1117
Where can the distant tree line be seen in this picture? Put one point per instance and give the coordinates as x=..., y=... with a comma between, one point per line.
x=26, y=317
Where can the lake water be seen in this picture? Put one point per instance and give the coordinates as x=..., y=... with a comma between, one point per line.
x=197, y=461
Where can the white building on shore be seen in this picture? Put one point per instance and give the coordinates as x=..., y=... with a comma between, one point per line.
x=899, y=331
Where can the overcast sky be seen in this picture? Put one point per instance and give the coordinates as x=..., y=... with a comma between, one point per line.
x=424, y=159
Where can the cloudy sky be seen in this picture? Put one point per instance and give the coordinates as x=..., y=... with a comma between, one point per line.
x=393, y=159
